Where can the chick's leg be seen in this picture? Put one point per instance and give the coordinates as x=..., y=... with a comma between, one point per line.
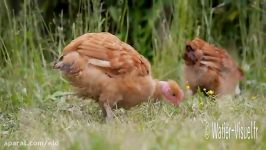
x=106, y=107
x=109, y=97
x=108, y=113
x=107, y=100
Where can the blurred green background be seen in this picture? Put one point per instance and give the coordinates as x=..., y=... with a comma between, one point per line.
x=145, y=24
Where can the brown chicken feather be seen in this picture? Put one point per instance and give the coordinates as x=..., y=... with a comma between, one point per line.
x=101, y=66
x=211, y=68
x=104, y=46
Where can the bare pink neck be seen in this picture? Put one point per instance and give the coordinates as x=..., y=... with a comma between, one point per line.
x=158, y=93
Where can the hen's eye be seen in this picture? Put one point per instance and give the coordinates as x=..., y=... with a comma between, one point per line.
x=173, y=94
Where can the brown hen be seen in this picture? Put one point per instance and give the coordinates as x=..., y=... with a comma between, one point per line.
x=210, y=68
x=102, y=67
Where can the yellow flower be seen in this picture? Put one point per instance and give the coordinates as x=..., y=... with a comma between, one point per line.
x=187, y=87
x=210, y=92
x=253, y=97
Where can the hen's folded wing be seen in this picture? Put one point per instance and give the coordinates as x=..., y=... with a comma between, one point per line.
x=110, y=54
x=215, y=58
x=200, y=52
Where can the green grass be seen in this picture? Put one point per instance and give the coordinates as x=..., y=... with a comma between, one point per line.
x=34, y=100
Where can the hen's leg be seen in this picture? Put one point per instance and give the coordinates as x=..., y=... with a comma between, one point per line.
x=109, y=97
x=107, y=111
x=106, y=107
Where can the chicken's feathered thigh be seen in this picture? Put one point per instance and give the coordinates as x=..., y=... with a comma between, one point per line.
x=211, y=68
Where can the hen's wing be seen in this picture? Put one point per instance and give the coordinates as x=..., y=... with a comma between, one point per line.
x=110, y=54
x=205, y=54
x=213, y=57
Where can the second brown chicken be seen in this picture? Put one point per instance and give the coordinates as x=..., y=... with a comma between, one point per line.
x=210, y=68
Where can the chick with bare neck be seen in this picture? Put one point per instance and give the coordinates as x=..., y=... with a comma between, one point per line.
x=102, y=67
